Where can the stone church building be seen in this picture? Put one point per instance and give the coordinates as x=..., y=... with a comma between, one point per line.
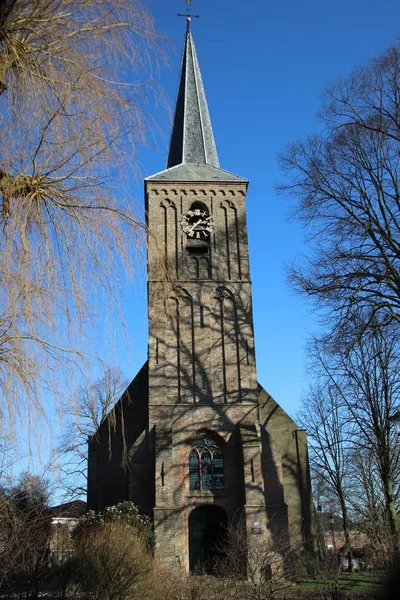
x=195, y=442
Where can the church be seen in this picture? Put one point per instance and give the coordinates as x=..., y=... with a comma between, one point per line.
x=195, y=442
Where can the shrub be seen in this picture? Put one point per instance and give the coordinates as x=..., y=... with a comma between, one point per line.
x=112, y=562
x=125, y=513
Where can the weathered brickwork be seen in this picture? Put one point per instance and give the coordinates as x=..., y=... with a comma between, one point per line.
x=201, y=377
x=195, y=430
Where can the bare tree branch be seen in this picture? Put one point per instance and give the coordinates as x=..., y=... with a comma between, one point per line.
x=75, y=78
x=346, y=182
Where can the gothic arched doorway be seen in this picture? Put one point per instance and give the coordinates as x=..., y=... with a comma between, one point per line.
x=207, y=537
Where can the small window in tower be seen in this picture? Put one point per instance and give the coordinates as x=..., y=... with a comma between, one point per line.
x=204, y=267
x=203, y=381
x=194, y=267
x=206, y=466
x=201, y=316
x=198, y=248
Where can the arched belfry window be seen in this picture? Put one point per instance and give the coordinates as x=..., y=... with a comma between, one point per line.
x=200, y=205
x=206, y=466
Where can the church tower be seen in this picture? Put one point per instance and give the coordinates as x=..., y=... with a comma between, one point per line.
x=202, y=378
x=205, y=446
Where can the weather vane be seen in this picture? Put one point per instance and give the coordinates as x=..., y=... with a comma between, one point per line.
x=188, y=15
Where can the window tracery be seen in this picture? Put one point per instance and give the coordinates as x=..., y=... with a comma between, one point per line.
x=206, y=466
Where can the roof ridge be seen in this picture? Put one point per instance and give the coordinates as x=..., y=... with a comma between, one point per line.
x=198, y=98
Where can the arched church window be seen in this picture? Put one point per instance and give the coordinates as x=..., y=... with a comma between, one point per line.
x=206, y=466
x=199, y=205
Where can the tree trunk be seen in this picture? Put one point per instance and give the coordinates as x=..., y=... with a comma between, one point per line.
x=346, y=532
x=390, y=505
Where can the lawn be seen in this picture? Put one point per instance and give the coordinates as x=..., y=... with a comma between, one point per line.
x=346, y=582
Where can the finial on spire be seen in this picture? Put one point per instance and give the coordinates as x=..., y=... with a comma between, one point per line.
x=188, y=15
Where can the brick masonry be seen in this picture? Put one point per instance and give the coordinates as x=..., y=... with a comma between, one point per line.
x=201, y=378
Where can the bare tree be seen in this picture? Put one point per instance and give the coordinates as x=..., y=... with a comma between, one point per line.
x=325, y=417
x=367, y=501
x=24, y=535
x=253, y=568
x=75, y=77
x=346, y=182
x=85, y=412
x=366, y=378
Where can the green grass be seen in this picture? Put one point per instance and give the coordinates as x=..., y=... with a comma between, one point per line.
x=346, y=582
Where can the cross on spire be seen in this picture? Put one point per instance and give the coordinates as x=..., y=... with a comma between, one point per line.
x=188, y=15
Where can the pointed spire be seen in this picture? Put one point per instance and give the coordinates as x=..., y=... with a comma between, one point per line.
x=192, y=139
x=192, y=153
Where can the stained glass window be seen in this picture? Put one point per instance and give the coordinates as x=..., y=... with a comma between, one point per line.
x=206, y=466
x=194, y=470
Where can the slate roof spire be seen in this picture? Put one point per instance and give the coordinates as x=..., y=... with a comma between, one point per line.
x=192, y=152
x=192, y=139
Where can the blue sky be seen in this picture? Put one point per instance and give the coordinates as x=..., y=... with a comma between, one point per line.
x=265, y=66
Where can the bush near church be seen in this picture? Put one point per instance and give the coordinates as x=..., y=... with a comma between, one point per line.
x=125, y=513
x=112, y=556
